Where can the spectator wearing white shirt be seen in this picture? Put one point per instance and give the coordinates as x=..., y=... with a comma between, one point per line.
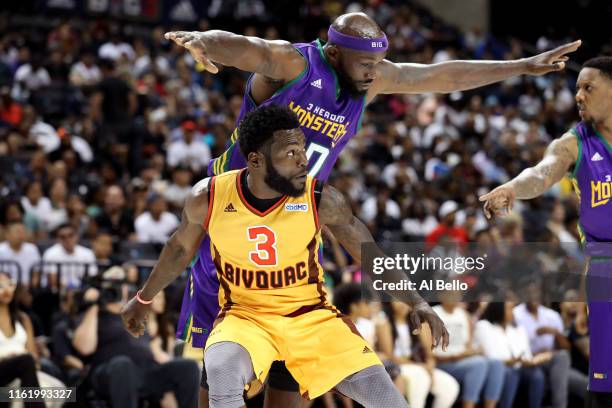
x=85, y=73
x=35, y=204
x=58, y=194
x=157, y=224
x=72, y=260
x=545, y=329
x=115, y=49
x=15, y=248
x=190, y=151
x=501, y=340
x=476, y=373
x=400, y=173
x=380, y=205
x=417, y=222
x=30, y=77
x=421, y=375
x=179, y=190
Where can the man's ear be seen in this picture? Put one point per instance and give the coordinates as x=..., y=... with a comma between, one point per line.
x=256, y=160
x=333, y=53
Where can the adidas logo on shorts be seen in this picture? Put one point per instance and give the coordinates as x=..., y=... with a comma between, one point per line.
x=366, y=349
x=230, y=208
x=597, y=157
x=317, y=84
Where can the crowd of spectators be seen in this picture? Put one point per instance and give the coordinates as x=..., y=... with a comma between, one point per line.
x=104, y=127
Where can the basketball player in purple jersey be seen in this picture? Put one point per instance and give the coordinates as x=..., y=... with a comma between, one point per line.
x=328, y=85
x=587, y=148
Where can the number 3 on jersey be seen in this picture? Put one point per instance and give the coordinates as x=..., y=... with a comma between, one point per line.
x=265, y=247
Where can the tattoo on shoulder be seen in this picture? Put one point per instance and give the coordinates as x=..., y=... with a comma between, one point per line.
x=334, y=208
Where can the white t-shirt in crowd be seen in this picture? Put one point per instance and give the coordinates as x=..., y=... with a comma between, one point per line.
x=33, y=79
x=27, y=256
x=458, y=325
x=151, y=230
x=41, y=210
x=114, y=51
x=45, y=135
x=367, y=329
x=71, y=275
x=82, y=75
x=177, y=195
x=369, y=209
x=501, y=343
x=403, y=342
x=195, y=155
x=545, y=318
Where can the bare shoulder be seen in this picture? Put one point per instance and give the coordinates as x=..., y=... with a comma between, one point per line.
x=196, y=204
x=25, y=319
x=334, y=209
x=284, y=61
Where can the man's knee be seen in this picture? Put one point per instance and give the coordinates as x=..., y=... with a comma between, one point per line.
x=477, y=363
x=121, y=363
x=227, y=359
x=228, y=370
x=496, y=368
x=121, y=368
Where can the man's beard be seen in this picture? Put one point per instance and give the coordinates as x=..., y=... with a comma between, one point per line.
x=349, y=87
x=281, y=184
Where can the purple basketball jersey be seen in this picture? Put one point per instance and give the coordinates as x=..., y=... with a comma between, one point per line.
x=593, y=182
x=328, y=117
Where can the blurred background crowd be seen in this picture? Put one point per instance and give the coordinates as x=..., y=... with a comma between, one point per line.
x=105, y=126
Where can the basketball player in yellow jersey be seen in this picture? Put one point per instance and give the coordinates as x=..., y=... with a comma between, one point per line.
x=264, y=223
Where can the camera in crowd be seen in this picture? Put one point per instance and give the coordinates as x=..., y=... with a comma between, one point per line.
x=110, y=286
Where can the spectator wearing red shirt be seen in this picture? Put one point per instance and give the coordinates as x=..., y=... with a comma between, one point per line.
x=447, y=230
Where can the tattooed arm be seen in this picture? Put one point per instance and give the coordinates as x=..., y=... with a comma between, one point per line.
x=559, y=157
x=335, y=212
x=174, y=258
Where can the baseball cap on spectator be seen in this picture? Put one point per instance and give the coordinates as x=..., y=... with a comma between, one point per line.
x=189, y=125
x=447, y=208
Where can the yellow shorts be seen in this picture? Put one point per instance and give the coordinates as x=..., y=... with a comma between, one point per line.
x=320, y=347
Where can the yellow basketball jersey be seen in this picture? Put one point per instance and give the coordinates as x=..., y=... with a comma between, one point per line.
x=266, y=262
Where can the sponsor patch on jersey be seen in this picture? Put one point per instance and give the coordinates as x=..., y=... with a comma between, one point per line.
x=600, y=376
x=296, y=207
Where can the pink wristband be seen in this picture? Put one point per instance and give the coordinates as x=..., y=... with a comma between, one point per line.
x=140, y=300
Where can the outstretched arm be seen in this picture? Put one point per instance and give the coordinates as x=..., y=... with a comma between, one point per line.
x=559, y=157
x=452, y=76
x=277, y=60
x=335, y=212
x=176, y=255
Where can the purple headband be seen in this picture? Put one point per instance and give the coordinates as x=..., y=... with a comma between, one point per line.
x=356, y=43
